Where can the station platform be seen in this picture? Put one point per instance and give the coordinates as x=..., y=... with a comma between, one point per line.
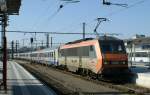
x=142, y=75
x=21, y=82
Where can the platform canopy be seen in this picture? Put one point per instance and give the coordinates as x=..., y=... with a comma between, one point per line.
x=11, y=7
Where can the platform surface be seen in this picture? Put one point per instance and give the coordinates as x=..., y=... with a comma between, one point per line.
x=142, y=75
x=21, y=82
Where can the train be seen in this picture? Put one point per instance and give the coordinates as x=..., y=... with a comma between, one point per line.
x=105, y=55
x=139, y=57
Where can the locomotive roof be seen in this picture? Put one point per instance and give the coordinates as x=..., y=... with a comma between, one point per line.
x=108, y=38
x=101, y=38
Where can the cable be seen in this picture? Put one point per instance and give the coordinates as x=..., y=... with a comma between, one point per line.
x=113, y=13
x=58, y=10
x=53, y=15
x=117, y=4
x=77, y=33
x=130, y=6
x=61, y=6
x=40, y=18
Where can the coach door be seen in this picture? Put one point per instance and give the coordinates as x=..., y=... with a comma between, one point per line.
x=80, y=52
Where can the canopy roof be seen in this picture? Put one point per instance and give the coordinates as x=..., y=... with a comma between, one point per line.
x=13, y=7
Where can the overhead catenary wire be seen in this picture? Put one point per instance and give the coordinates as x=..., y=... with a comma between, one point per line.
x=125, y=8
x=32, y=32
x=61, y=6
x=117, y=4
x=55, y=13
x=120, y=10
x=43, y=14
x=40, y=20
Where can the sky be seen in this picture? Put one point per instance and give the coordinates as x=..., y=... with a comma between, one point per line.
x=43, y=16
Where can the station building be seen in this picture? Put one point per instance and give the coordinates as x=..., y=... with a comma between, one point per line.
x=138, y=49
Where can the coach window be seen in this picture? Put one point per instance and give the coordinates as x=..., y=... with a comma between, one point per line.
x=61, y=53
x=51, y=54
x=54, y=54
x=46, y=54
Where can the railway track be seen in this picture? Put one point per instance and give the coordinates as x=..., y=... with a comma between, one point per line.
x=125, y=87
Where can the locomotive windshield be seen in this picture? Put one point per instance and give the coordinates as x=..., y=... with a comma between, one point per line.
x=112, y=46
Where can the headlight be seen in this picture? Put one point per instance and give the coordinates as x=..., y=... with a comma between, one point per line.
x=123, y=62
x=105, y=62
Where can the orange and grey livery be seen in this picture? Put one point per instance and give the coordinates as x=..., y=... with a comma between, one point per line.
x=105, y=55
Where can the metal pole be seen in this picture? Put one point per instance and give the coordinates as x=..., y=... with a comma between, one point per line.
x=51, y=42
x=42, y=43
x=23, y=42
x=47, y=40
x=36, y=45
x=134, y=53
x=84, y=30
x=12, y=52
x=31, y=48
x=131, y=55
x=2, y=35
x=149, y=57
x=4, y=24
x=5, y=64
x=16, y=47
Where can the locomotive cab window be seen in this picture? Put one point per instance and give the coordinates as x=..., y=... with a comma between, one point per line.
x=92, y=52
x=112, y=46
x=91, y=48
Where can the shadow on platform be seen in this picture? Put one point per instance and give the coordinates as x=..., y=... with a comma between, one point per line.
x=106, y=93
x=27, y=90
x=140, y=69
x=25, y=87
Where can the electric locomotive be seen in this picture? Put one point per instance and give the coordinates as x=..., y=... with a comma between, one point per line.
x=105, y=55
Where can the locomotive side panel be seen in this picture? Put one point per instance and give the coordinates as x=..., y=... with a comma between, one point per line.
x=83, y=55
